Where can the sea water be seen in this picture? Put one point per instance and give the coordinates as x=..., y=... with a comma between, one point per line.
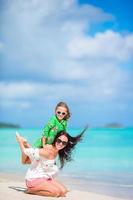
x=103, y=159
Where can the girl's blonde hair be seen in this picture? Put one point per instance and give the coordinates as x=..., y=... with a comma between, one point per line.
x=62, y=104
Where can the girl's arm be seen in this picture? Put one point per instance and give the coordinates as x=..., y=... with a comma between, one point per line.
x=43, y=141
x=47, y=129
x=65, y=125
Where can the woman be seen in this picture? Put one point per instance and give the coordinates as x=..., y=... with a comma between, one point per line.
x=40, y=175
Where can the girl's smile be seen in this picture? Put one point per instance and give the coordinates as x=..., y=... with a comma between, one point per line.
x=61, y=112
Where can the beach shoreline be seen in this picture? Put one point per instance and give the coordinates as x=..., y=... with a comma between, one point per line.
x=13, y=187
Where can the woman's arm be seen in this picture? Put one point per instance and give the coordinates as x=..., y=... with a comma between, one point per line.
x=47, y=152
x=27, y=152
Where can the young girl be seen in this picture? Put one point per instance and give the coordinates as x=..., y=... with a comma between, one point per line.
x=56, y=124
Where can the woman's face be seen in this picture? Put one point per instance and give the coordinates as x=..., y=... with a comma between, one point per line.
x=61, y=112
x=61, y=142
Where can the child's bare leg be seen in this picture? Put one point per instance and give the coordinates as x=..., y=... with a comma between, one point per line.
x=24, y=159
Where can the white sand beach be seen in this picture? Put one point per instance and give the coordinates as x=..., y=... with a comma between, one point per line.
x=13, y=187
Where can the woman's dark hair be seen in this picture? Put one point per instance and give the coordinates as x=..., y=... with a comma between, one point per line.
x=65, y=153
x=62, y=104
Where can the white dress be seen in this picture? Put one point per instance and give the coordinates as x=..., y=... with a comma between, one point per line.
x=40, y=167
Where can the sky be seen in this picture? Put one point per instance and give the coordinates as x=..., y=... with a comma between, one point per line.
x=79, y=52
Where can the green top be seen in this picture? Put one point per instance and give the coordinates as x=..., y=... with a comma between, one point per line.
x=50, y=131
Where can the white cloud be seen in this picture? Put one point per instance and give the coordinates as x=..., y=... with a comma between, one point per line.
x=106, y=45
x=98, y=88
x=16, y=90
x=23, y=105
x=50, y=41
x=37, y=33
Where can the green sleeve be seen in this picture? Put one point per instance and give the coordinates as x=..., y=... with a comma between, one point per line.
x=48, y=127
x=65, y=125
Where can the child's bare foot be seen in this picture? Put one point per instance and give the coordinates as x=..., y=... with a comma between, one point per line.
x=20, y=138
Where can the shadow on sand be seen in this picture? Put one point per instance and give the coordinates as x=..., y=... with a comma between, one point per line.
x=19, y=189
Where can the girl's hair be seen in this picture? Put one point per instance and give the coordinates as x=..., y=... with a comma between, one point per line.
x=65, y=153
x=62, y=104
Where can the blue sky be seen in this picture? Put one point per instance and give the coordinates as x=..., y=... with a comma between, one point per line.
x=121, y=9
x=80, y=52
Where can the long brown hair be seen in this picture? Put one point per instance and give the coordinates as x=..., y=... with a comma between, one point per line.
x=63, y=104
x=65, y=154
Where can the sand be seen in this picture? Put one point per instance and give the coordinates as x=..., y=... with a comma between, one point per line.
x=12, y=187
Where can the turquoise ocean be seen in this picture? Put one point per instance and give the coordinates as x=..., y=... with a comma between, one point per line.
x=103, y=160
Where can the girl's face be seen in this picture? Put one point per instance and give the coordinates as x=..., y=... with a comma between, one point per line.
x=61, y=112
x=61, y=142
